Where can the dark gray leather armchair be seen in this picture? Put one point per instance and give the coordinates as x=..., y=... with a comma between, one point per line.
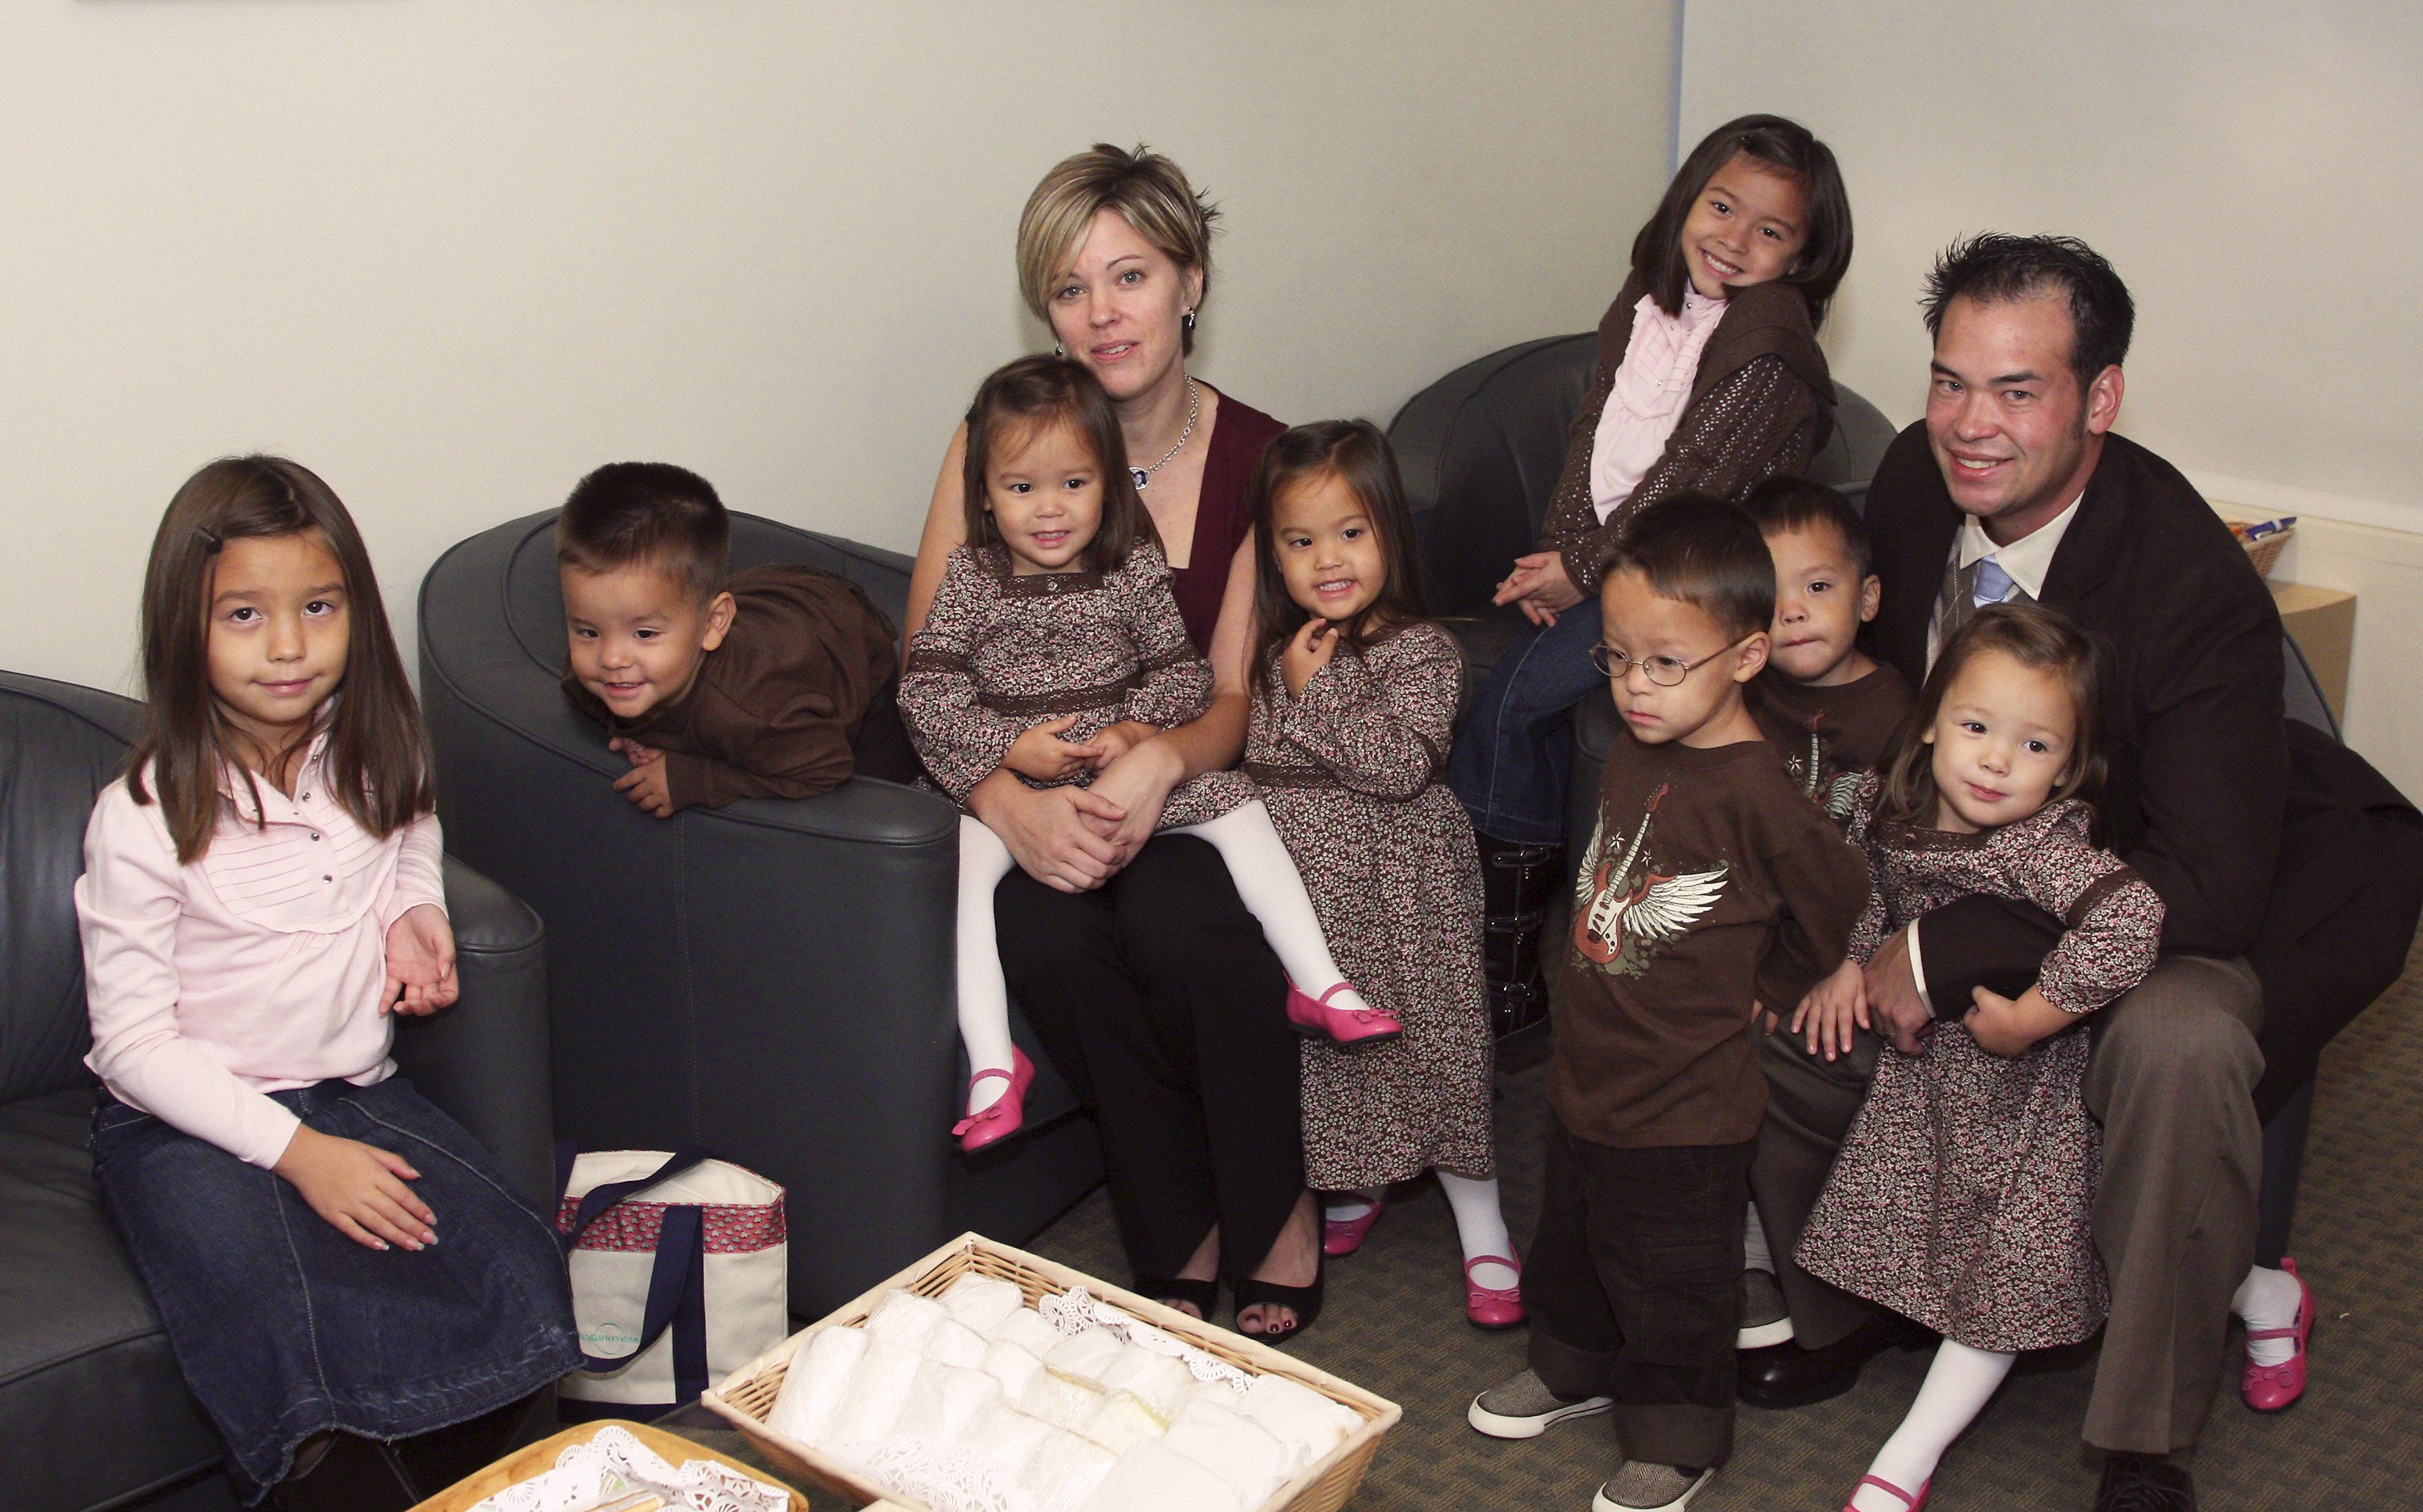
x=771, y=980
x=93, y=1413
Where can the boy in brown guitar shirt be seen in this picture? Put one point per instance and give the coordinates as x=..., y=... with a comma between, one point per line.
x=1711, y=887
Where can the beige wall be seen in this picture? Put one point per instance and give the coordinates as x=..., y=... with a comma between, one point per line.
x=2248, y=167
x=452, y=252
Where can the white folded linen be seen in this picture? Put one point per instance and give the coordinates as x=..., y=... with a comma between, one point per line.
x=954, y=1343
x=1060, y=1401
x=1122, y=1421
x=812, y=1387
x=1025, y=1329
x=1006, y=1437
x=1234, y=1447
x=1086, y=1355
x=1161, y=1382
x=1150, y=1479
x=982, y=1301
x=905, y=1318
x=1063, y=1471
x=878, y=1390
x=1300, y=1415
x=942, y=1401
x=1013, y=1367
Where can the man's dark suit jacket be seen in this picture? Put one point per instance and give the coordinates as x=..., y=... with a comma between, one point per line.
x=2205, y=773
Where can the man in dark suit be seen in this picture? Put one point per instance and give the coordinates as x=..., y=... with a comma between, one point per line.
x=2015, y=487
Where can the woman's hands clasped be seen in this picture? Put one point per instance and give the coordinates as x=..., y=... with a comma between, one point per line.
x=1539, y=583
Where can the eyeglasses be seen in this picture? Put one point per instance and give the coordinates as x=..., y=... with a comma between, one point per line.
x=1665, y=671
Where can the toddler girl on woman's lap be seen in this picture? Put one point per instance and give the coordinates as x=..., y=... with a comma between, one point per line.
x=262, y=890
x=1053, y=647
x=1354, y=703
x=1963, y=1194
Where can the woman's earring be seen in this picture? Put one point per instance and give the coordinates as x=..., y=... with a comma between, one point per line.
x=1058, y=350
x=1187, y=320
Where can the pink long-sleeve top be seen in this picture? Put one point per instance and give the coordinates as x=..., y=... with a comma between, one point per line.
x=257, y=968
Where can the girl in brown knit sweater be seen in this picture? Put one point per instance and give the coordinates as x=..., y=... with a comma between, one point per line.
x=1054, y=646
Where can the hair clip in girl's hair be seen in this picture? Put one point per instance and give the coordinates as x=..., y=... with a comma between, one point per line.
x=211, y=542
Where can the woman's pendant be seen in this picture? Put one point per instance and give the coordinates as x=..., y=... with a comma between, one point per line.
x=1141, y=477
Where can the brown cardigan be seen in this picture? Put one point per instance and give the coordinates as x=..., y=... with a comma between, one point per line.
x=1761, y=406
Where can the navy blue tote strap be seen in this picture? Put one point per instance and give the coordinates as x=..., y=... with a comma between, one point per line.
x=676, y=1295
x=598, y=1199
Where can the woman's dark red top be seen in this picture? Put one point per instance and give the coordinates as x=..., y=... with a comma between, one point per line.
x=1222, y=516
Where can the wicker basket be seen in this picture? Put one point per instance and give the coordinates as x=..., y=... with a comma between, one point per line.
x=748, y=1394
x=2265, y=551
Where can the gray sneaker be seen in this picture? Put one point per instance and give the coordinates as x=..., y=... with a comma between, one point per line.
x=1643, y=1488
x=1766, y=1320
x=1522, y=1406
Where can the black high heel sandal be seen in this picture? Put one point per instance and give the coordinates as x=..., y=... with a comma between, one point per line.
x=1303, y=1300
x=1170, y=1291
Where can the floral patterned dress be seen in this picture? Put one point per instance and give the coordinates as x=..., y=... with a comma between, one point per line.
x=1000, y=653
x=1349, y=772
x=1963, y=1194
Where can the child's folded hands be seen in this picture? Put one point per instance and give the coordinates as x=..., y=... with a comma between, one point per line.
x=1042, y=755
x=1827, y=1016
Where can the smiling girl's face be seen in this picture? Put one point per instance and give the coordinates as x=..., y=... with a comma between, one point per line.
x=1328, y=549
x=2003, y=739
x=1044, y=489
x=279, y=635
x=1118, y=306
x=1746, y=227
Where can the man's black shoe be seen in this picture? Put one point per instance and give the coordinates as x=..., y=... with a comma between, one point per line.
x=2143, y=1483
x=1786, y=1375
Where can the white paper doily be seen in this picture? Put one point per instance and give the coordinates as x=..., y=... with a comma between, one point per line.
x=1076, y=1309
x=614, y=1464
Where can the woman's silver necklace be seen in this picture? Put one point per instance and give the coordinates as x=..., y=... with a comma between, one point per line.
x=1194, y=405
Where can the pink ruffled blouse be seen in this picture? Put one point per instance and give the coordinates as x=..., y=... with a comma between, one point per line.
x=1652, y=389
x=254, y=969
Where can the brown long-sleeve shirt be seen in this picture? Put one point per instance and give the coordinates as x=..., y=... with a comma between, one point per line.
x=1761, y=406
x=1830, y=737
x=1711, y=884
x=801, y=694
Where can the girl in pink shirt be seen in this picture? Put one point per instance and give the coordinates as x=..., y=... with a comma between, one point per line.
x=261, y=891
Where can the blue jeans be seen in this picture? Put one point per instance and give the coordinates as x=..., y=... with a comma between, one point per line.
x=284, y=1327
x=1514, y=756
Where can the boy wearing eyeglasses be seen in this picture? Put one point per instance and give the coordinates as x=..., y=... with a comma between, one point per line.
x=1711, y=885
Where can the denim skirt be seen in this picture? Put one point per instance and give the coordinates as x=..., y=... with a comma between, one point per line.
x=284, y=1327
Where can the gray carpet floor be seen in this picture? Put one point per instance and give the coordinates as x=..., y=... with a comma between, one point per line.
x=1394, y=1324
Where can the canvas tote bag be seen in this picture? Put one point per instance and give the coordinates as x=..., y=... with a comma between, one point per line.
x=680, y=1275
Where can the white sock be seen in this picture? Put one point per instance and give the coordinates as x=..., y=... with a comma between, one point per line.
x=2269, y=1298
x=1956, y=1388
x=1755, y=1254
x=1481, y=1228
x=1345, y=1208
x=1267, y=882
x=984, y=993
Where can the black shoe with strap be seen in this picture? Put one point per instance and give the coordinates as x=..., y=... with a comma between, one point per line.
x=2143, y=1483
x=1786, y=1376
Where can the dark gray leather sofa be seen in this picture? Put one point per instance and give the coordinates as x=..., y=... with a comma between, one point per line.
x=92, y=1410
x=1481, y=451
x=770, y=981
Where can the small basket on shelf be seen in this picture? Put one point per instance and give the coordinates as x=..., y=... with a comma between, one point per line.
x=2264, y=540
x=747, y=1396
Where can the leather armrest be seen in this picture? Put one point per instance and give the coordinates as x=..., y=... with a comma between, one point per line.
x=485, y=1061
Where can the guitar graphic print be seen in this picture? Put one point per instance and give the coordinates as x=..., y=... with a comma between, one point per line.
x=1625, y=910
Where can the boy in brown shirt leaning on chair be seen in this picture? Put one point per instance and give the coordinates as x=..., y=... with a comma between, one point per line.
x=774, y=682
x=1711, y=887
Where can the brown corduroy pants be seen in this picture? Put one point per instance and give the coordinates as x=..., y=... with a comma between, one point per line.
x=2172, y=1080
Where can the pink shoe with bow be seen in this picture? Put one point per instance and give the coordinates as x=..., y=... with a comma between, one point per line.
x=1915, y=1503
x=1491, y=1307
x=1346, y=1026
x=2276, y=1388
x=1007, y=1115
x=1343, y=1236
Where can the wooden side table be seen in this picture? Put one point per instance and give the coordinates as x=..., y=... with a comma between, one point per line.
x=2323, y=623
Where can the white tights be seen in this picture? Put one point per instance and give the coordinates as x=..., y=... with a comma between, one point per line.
x=1258, y=862
x=1956, y=1388
x=1480, y=1223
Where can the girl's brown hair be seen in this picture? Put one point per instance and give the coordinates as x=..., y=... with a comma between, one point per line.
x=1018, y=401
x=378, y=756
x=2038, y=638
x=1354, y=453
x=1782, y=147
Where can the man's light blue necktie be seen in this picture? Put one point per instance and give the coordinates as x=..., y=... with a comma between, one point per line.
x=1993, y=583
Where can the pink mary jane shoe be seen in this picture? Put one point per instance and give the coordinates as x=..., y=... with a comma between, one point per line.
x=1343, y=1236
x=1347, y=1026
x=1007, y=1115
x=2275, y=1388
x=1487, y=1306
x=1891, y=1490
